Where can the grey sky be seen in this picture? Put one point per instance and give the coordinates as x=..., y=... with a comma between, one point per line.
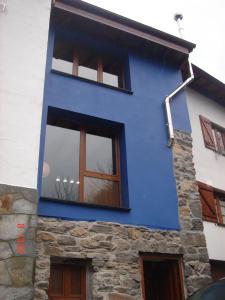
x=204, y=24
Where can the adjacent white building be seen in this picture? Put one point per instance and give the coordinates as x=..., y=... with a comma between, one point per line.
x=206, y=105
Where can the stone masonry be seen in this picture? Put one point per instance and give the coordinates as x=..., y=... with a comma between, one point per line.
x=114, y=249
x=196, y=262
x=17, y=242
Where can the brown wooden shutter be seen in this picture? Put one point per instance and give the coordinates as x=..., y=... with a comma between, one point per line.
x=207, y=133
x=208, y=202
x=220, y=142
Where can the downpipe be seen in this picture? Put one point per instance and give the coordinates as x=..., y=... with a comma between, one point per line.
x=169, y=99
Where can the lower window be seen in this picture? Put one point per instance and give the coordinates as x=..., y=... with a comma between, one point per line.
x=162, y=277
x=67, y=282
x=81, y=164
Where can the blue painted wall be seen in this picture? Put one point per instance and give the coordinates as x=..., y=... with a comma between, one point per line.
x=151, y=183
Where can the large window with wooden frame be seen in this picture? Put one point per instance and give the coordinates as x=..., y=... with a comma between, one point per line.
x=90, y=64
x=213, y=204
x=213, y=135
x=67, y=282
x=81, y=164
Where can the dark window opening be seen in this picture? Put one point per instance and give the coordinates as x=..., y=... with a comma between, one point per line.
x=162, y=277
x=81, y=164
x=87, y=63
x=217, y=269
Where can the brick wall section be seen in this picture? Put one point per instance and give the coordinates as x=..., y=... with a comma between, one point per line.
x=195, y=255
x=17, y=206
x=114, y=249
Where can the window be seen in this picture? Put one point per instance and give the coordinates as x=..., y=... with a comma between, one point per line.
x=213, y=203
x=87, y=63
x=81, y=164
x=214, y=136
x=67, y=281
x=162, y=277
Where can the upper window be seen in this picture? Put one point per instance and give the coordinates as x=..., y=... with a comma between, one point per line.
x=87, y=63
x=213, y=203
x=214, y=136
x=81, y=164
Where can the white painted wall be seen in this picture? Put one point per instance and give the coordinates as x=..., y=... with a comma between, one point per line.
x=23, y=45
x=215, y=240
x=210, y=166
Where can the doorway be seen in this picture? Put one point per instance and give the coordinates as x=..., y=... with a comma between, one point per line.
x=162, y=277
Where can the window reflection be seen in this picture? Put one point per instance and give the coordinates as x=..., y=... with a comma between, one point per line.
x=100, y=156
x=103, y=192
x=61, y=166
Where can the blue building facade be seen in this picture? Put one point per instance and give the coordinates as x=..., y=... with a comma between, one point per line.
x=148, y=177
x=119, y=213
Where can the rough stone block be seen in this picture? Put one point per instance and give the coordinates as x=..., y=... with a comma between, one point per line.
x=5, y=250
x=12, y=293
x=20, y=270
x=8, y=226
x=23, y=206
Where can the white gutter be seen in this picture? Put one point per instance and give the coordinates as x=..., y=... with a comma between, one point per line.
x=167, y=104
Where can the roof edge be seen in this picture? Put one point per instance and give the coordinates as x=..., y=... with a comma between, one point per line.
x=124, y=24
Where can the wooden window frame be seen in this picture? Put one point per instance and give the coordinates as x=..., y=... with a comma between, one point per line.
x=215, y=201
x=83, y=172
x=159, y=256
x=86, y=173
x=66, y=281
x=210, y=136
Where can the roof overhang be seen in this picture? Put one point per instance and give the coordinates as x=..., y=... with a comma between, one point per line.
x=101, y=22
x=208, y=85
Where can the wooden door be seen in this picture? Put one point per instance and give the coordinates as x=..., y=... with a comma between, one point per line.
x=67, y=282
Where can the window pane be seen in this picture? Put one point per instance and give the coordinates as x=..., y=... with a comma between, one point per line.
x=76, y=282
x=62, y=57
x=56, y=281
x=61, y=164
x=99, y=191
x=87, y=64
x=100, y=154
x=112, y=71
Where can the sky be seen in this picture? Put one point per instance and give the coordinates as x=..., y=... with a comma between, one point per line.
x=203, y=23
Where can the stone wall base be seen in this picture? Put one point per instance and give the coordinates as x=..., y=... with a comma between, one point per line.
x=17, y=242
x=114, y=252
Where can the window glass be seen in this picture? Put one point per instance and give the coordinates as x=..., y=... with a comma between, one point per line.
x=87, y=64
x=100, y=154
x=61, y=164
x=103, y=192
x=112, y=71
x=62, y=57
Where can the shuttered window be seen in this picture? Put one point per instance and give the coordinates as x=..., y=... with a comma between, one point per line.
x=207, y=133
x=213, y=135
x=213, y=203
x=67, y=282
x=208, y=202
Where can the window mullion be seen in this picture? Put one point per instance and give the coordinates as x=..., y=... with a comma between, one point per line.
x=100, y=69
x=82, y=162
x=75, y=63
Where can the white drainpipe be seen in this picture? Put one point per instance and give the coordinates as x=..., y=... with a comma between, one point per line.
x=167, y=104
